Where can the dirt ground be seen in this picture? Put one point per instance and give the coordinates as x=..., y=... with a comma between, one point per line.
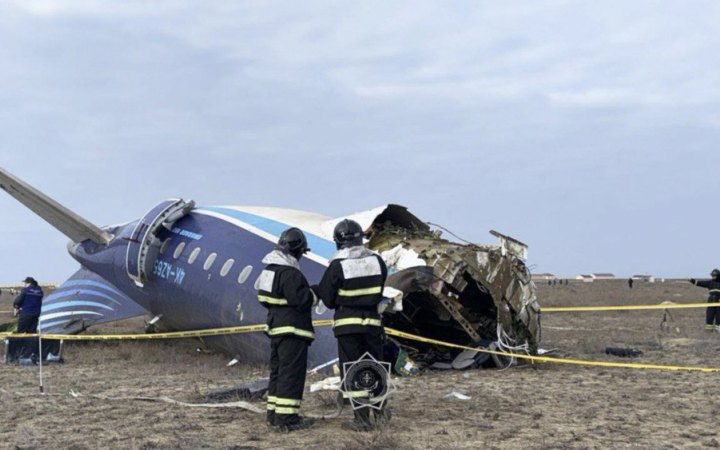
x=533, y=407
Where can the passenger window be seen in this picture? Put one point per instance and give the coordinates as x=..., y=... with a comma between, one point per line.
x=164, y=245
x=194, y=255
x=179, y=250
x=226, y=267
x=245, y=274
x=210, y=261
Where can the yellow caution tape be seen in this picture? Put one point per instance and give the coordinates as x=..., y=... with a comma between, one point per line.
x=667, y=305
x=550, y=359
x=138, y=337
x=153, y=336
x=390, y=331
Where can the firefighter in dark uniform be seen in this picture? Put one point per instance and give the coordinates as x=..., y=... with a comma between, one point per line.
x=29, y=303
x=284, y=291
x=352, y=285
x=712, y=316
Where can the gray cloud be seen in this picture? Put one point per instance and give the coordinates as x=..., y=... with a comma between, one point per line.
x=587, y=130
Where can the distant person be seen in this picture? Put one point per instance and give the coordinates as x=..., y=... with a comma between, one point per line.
x=28, y=304
x=284, y=291
x=630, y=283
x=712, y=315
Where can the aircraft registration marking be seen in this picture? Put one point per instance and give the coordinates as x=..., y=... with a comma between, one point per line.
x=167, y=271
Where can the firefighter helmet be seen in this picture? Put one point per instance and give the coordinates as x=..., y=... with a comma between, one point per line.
x=293, y=242
x=348, y=233
x=715, y=274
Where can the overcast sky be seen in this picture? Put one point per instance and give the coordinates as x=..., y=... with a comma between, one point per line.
x=588, y=130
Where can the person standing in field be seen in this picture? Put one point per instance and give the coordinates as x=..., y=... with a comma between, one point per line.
x=284, y=291
x=353, y=286
x=28, y=304
x=712, y=315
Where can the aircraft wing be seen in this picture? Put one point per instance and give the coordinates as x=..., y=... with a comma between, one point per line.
x=83, y=300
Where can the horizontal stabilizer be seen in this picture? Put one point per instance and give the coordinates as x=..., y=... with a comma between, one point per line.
x=70, y=224
x=84, y=300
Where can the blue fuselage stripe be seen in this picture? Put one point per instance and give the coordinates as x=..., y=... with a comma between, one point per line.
x=73, y=283
x=62, y=294
x=317, y=244
x=70, y=303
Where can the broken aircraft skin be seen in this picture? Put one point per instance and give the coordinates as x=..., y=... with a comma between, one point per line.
x=194, y=268
x=461, y=293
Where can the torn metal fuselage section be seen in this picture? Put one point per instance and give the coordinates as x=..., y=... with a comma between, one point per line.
x=465, y=294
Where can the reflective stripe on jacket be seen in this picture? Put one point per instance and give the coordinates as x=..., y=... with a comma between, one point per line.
x=353, y=285
x=286, y=294
x=713, y=287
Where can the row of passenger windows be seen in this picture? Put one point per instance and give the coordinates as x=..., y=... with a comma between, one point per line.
x=226, y=268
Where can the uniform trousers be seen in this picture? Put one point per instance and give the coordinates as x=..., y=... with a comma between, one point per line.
x=288, y=365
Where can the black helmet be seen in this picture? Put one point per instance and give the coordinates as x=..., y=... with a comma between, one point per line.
x=715, y=274
x=348, y=233
x=30, y=280
x=292, y=242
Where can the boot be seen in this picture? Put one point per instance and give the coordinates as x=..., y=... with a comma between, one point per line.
x=301, y=423
x=270, y=418
x=361, y=422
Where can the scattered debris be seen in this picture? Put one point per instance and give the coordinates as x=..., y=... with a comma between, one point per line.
x=623, y=352
x=324, y=365
x=328, y=384
x=457, y=395
x=469, y=359
x=542, y=351
x=247, y=391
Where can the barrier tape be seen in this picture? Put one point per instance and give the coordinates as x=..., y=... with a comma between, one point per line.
x=390, y=331
x=550, y=359
x=152, y=336
x=667, y=305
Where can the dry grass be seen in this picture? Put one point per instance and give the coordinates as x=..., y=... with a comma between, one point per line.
x=548, y=406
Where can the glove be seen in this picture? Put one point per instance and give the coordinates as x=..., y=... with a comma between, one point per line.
x=692, y=280
x=382, y=306
x=16, y=312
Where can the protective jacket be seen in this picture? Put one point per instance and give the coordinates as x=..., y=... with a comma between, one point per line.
x=353, y=285
x=29, y=300
x=713, y=287
x=284, y=291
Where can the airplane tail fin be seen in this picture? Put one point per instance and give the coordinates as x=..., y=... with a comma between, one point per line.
x=83, y=300
x=70, y=224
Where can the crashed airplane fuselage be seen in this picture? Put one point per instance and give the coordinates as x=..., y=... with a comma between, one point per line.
x=195, y=267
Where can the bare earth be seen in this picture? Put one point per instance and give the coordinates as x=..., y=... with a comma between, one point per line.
x=542, y=406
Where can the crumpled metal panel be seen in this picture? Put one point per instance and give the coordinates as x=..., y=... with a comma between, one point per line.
x=498, y=271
